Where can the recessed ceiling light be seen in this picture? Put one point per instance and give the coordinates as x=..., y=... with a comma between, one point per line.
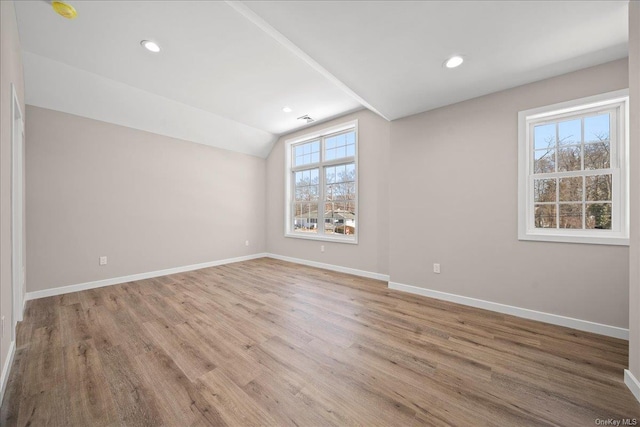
x=454, y=61
x=287, y=109
x=150, y=46
x=64, y=9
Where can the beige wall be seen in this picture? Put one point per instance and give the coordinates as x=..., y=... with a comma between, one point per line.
x=371, y=253
x=454, y=202
x=137, y=198
x=10, y=72
x=146, y=201
x=634, y=250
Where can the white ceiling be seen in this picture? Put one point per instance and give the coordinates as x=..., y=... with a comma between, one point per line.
x=227, y=68
x=391, y=53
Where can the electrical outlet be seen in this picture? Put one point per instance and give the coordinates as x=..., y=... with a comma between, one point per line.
x=321, y=248
x=436, y=268
x=246, y=243
x=103, y=260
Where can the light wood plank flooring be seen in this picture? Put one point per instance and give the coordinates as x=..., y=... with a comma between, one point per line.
x=266, y=342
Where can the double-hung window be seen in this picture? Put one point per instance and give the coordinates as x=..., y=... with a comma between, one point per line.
x=322, y=185
x=573, y=182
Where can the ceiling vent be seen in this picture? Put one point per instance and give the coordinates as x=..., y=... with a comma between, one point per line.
x=307, y=118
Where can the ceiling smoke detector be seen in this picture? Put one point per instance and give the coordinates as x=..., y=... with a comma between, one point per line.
x=307, y=118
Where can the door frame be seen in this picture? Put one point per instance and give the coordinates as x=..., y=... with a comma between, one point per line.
x=17, y=211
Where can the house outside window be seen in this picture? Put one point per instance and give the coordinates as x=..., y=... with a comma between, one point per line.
x=321, y=185
x=573, y=174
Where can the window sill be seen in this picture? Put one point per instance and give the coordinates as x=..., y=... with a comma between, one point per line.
x=325, y=238
x=584, y=239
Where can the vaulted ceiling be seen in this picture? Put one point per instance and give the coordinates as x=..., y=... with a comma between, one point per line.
x=227, y=69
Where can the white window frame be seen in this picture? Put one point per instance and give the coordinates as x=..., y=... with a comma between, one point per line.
x=288, y=172
x=619, y=168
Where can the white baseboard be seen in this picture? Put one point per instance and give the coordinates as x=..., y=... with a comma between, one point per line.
x=140, y=276
x=554, y=319
x=332, y=267
x=6, y=369
x=633, y=383
x=582, y=325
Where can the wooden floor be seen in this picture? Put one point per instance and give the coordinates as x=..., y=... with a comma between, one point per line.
x=266, y=342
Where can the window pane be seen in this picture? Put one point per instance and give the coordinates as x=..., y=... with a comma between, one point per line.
x=351, y=150
x=337, y=196
x=307, y=193
x=569, y=132
x=305, y=217
x=545, y=216
x=332, y=142
x=340, y=218
x=569, y=159
x=596, y=155
x=330, y=174
x=596, y=128
x=598, y=216
x=575, y=158
x=598, y=188
x=571, y=189
x=306, y=177
x=341, y=173
x=344, y=191
x=350, y=170
x=544, y=190
x=306, y=153
x=340, y=182
x=544, y=161
x=306, y=185
x=544, y=137
x=339, y=146
x=570, y=215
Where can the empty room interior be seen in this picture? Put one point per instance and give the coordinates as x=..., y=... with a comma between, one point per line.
x=320, y=213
